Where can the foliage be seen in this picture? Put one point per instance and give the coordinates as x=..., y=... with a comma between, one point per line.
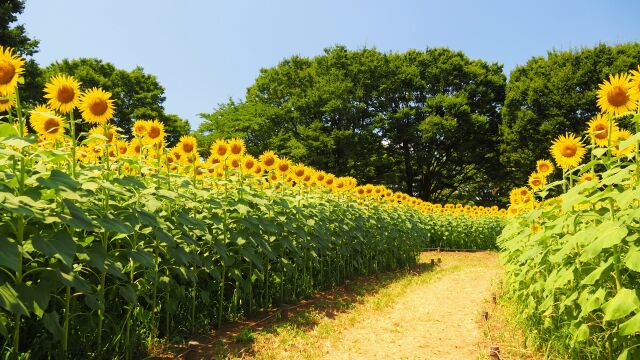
x=573, y=261
x=552, y=95
x=416, y=118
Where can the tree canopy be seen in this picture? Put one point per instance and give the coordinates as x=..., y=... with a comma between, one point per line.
x=551, y=95
x=426, y=121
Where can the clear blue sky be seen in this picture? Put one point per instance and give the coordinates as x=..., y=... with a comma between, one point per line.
x=204, y=52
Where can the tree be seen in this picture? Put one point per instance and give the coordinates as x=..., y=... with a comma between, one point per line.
x=549, y=96
x=16, y=37
x=413, y=120
x=137, y=95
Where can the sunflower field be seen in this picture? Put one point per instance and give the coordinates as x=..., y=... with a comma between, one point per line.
x=571, y=247
x=109, y=246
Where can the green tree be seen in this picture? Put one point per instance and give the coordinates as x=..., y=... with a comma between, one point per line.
x=15, y=36
x=425, y=121
x=137, y=95
x=551, y=95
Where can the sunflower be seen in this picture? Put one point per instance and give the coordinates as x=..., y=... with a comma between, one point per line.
x=537, y=181
x=96, y=106
x=319, y=176
x=299, y=171
x=257, y=170
x=234, y=162
x=635, y=80
x=46, y=123
x=122, y=147
x=544, y=167
x=568, y=151
x=328, y=180
x=283, y=165
x=535, y=228
x=7, y=103
x=248, y=164
x=236, y=147
x=135, y=147
x=63, y=92
x=622, y=135
x=188, y=146
x=140, y=128
x=599, y=130
x=11, y=67
x=220, y=149
x=155, y=132
x=588, y=176
x=269, y=160
x=98, y=132
x=616, y=96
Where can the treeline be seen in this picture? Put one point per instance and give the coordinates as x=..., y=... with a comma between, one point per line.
x=433, y=123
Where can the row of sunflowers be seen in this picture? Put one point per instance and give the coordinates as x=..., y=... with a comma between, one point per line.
x=110, y=245
x=573, y=260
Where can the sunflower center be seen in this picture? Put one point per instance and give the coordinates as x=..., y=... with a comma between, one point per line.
x=65, y=94
x=98, y=107
x=154, y=132
x=248, y=164
x=137, y=148
x=536, y=182
x=7, y=71
x=269, y=161
x=222, y=150
x=236, y=149
x=283, y=167
x=187, y=147
x=122, y=149
x=299, y=172
x=51, y=126
x=569, y=150
x=235, y=163
x=544, y=167
x=617, y=96
x=602, y=131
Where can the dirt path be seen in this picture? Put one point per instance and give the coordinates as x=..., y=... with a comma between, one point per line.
x=435, y=320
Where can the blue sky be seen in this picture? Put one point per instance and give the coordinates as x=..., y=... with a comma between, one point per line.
x=204, y=52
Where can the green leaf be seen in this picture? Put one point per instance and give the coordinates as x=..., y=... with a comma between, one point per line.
x=624, y=355
x=9, y=253
x=7, y=130
x=35, y=297
x=621, y=305
x=10, y=301
x=595, y=274
x=79, y=217
x=632, y=260
x=60, y=245
x=114, y=225
x=51, y=322
x=583, y=333
x=631, y=326
x=128, y=293
x=610, y=233
x=58, y=179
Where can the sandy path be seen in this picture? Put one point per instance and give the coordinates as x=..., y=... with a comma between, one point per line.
x=435, y=320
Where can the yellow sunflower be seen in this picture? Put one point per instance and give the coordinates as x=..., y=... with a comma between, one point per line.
x=616, y=96
x=535, y=228
x=588, y=176
x=544, y=167
x=298, y=171
x=11, y=67
x=635, y=80
x=46, y=123
x=622, y=135
x=599, y=130
x=63, y=92
x=567, y=151
x=537, y=181
x=96, y=106
x=269, y=160
x=188, y=146
x=220, y=149
x=135, y=147
x=236, y=147
x=122, y=147
x=283, y=165
x=234, y=162
x=7, y=103
x=111, y=134
x=248, y=164
x=155, y=132
x=329, y=180
x=140, y=128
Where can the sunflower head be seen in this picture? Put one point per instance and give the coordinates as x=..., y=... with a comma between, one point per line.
x=220, y=149
x=123, y=147
x=544, y=167
x=11, y=67
x=234, y=162
x=98, y=132
x=236, y=147
x=155, y=132
x=187, y=145
x=618, y=149
x=599, y=130
x=140, y=128
x=135, y=147
x=257, y=170
x=268, y=160
x=535, y=228
x=283, y=165
x=63, y=93
x=248, y=164
x=588, y=176
x=567, y=151
x=299, y=171
x=96, y=106
x=46, y=123
x=616, y=95
x=6, y=103
x=537, y=181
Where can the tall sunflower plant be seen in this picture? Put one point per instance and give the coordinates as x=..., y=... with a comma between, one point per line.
x=573, y=259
